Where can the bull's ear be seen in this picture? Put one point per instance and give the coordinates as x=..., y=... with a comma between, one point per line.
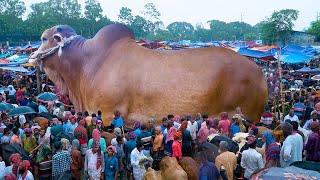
x=58, y=39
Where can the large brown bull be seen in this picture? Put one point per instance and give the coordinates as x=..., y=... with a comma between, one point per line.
x=110, y=71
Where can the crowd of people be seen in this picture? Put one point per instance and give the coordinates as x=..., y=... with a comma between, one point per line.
x=66, y=144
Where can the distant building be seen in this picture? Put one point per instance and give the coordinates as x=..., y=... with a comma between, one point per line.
x=297, y=38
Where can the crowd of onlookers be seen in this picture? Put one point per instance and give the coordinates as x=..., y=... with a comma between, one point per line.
x=63, y=144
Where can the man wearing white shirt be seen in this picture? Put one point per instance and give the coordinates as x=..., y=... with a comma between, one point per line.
x=291, y=116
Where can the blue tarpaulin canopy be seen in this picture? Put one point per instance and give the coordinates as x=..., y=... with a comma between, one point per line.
x=15, y=69
x=255, y=54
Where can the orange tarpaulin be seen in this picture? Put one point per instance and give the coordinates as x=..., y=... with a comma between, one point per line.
x=265, y=48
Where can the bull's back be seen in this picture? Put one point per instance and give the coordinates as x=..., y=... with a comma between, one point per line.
x=154, y=83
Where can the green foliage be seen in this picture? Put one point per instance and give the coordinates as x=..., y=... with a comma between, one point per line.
x=93, y=10
x=181, y=30
x=275, y=28
x=146, y=24
x=315, y=29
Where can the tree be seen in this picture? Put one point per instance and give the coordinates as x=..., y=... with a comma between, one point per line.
x=202, y=34
x=315, y=29
x=181, y=30
x=276, y=27
x=93, y=10
x=151, y=12
x=125, y=16
x=14, y=8
x=250, y=36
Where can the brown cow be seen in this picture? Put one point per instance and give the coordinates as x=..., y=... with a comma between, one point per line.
x=171, y=170
x=190, y=166
x=110, y=71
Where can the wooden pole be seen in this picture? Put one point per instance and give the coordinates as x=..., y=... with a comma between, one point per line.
x=38, y=79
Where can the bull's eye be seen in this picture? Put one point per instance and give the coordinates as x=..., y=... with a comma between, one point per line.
x=44, y=39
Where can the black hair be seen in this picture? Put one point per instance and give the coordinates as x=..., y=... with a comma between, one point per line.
x=15, y=130
x=204, y=116
x=99, y=113
x=301, y=99
x=3, y=114
x=170, y=116
x=57, y=145
x=6, y=130
x=143, y=127
x=139, y=144
x=79, y=113
x=17, y=124
x=294, y=124
x=253, y=145
x=93, y=115
x=58, y=105
x=42, y=129
x=86, y=113
x=119, y=138
x=10, y=126
x=183, y=119
x=164, y=119
x=54, y=116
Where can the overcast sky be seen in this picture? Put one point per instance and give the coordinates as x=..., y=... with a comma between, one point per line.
x=195, y=11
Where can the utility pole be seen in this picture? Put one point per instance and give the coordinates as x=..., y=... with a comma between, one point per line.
x=241, y=18
x=318, y=16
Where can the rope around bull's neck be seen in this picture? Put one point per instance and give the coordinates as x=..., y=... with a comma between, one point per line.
x=40, y=55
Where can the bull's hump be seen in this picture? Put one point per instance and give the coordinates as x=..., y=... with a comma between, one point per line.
x=114, y=32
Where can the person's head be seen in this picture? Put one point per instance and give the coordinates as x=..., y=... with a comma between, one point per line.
x=132, y=135
x=287, y=129
x=252, y=142
x=7, y=131
x=223, y=146
x=17, y=124
x=93, y=115
x=291, y=112
x=28, y=132
x=198, y=116
x=204, y=117
x=119, y=139
x=224, y=115
x=15, y=158
x=165, y=122
x=36, y=130
x=99, y=113
x=117, y=113
x=58, y=145
x=201, y=158
x=139, y=146
x=65, y=143
x=136, y=125
x=24, y=166
x=151, y=122
x=249, y=122
x=94, y=122
x=267, y=108
x=158, y=130
x=188, y=117
x=314, y=114
x=86, y=113
x=95, y=146
x=238, y=110
x=111, y=150
x=42, y=132
x=143, y=128
x=16, y=131
x=3, y=115
x=301, y=99
x=82, y=122
x=209, y=122
x=295, y=125
x=72, y=119
x=170, y=117
x=314, y=126
x=79, y=114
x=76, y=144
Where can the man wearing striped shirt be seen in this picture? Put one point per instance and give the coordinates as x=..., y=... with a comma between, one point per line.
x=267, y=117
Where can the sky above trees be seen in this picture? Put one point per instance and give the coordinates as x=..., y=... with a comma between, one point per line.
x=200, y=11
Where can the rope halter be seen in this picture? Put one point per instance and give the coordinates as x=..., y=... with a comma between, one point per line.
x=39, y=56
